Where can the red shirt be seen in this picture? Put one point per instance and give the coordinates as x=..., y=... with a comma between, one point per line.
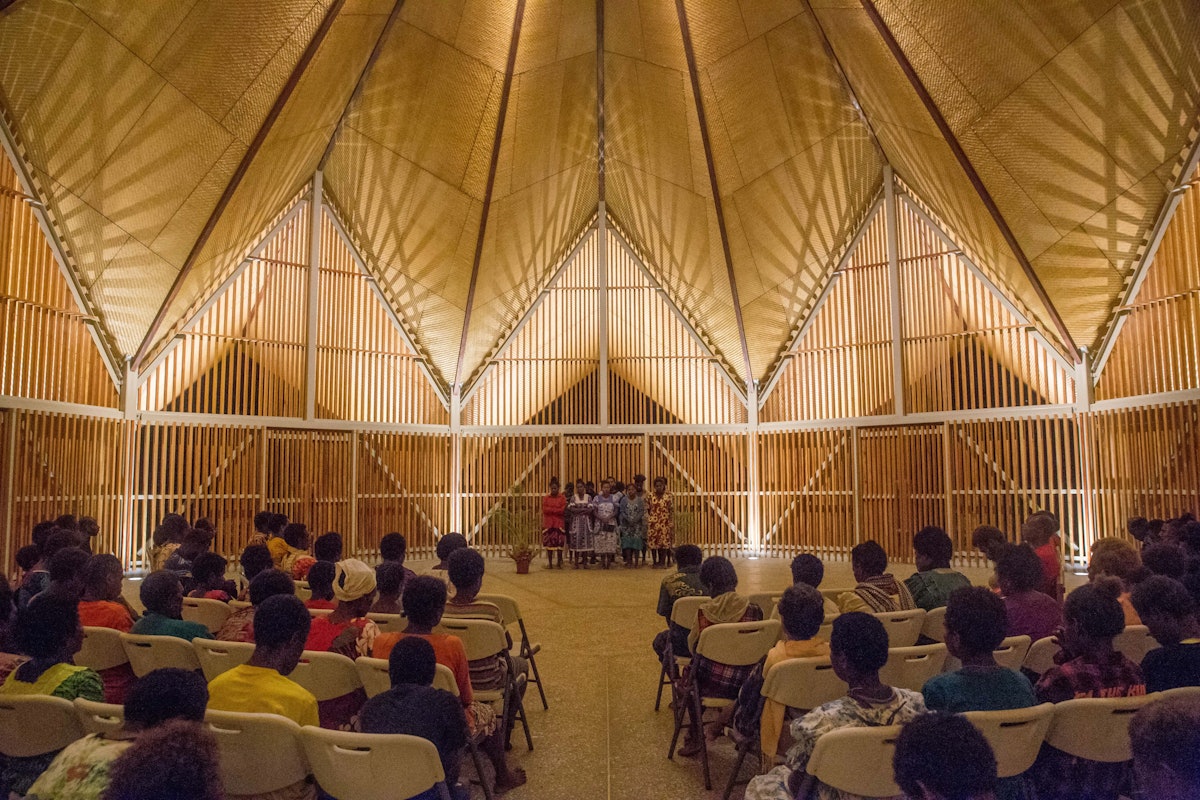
x=554, y=509
x=105, y=614
x=1051, y=569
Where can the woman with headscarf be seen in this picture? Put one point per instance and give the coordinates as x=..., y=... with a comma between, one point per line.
x=346, y=629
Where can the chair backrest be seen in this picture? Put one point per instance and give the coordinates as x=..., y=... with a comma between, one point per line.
x=319, y=612
x=766, y=601
x=389, y=623
x=367, y=766
x=303, y=591
x=903, y=627
x=1134, y=642
x=36, y=724
x=507, y=605
x=1015, y=736
x=481, y=638
x=1181, y=692
x=857, y=760
x=373, y=672
x=209, y=613
x=102, y=649
x=1012, y=651
x=738, y=644
x=238, y=605
x=326, y=675
x=684, y=610
x=803, y=683
x=1041, y=655
x=1095, y=728
x=99, y=717
x=934, y=626
x=910, y=667
x=834, y=594
x=148, y=653
x=826, y=629
x=217, y=657
x=260, y=753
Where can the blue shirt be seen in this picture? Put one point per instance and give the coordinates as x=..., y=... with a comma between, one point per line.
x=157, y=625
x=979, y=689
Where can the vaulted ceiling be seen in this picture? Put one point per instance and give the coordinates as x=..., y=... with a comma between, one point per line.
x=463, y=145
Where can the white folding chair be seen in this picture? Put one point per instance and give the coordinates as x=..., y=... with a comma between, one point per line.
x=683, y=614
x=1134, y=642
x=826, y=629
x=1041, y=655
x=1095, y=728
x=1012, y=651
x=373, y=672
x=102, y=649
x=834, y=594
x=303, y=591
x=856, y=761
x=1015, y=735
x=319, y=612
x=766, y=601
x=260, y=753
x=99, y=717
x=36, y=724
x=736, y=644
x=482, y=639
x=326, y=675
x=216, y=657
x=209, y=613
x=389, y=623
x=148, y=653
x=366, y=766
x=903, y=627
x=238, y=605
x=934, y=626
x=528, y=649
x=909, y=667
x=1181, y=692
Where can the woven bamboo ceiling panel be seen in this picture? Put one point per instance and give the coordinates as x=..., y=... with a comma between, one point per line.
x=165, y=135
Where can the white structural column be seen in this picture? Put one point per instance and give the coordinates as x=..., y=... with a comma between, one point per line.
x=602, y=308
x=456, y=458
x=753, y=540
x=893, y=256
x=314, y=297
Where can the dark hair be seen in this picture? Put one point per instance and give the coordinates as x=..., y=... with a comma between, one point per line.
x=170, y=529
x=801, y=610
x=1166, y=733
x=1161, y=596
x=56, y=542
x=166, y=694
x=279, y=619
x=197, y=540
x=869, y=557
x=412, y=660
x=46, y=624
x=262, y=521
x=389, y=578
x=205, y=524
x=808, y=569
x=947, y=755
x=861, y=639
x=255, y=558
x=208, y=566
x=1039, y=527
x=393, y=546
x=66, y=522
x=158, y=589
x=41, y=533
x=68, y=564
x=448, y=544
x=99, y=567
x=933, y=543
x=1095, y=609
x=269, y=583
x=328, y=547
x=717, y=573
x=989, y=539
x=28, y=557
x=89, y=527
x=688, y=555
x=277, y=523
x=1165, y=558
x=978, y=617
x=296, y=535
x=1116, y=557
x=424, y=600
x=177, y=760
x=320, y=580
x=1019, y=567
x=464, y=567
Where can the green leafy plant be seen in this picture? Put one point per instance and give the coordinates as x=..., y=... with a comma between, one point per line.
x=517, y=521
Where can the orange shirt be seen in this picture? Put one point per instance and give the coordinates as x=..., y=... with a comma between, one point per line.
x=105, y=614
x=447, y=649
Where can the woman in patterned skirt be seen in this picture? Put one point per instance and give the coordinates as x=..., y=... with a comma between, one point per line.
x=580, y=508
x=605, y=538
x=554, y=527
x=632, y=521
x=660, y=523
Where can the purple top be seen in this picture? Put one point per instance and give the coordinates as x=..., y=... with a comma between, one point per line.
x=1033, y=614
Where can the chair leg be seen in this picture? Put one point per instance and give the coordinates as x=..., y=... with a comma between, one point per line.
x=473, y=747
x=681, y=709
x=537, y=678
x=699, y=714
x=662, y=681
x=518, y=713
x=743, y=748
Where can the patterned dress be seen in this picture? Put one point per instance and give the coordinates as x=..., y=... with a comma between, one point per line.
x=633, y=522
x=554, y=529
x=581, y=523
x=660, y=521
x=605, y=538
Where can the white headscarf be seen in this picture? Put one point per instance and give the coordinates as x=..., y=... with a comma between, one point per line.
x=352, y=579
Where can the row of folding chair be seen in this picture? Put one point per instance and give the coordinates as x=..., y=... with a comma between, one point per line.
x=259, y=753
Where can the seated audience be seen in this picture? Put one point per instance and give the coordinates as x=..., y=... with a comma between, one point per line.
x=89, y=531
x=1117, y=558
x=1165, y=558
x=166, y=539
x=177, y=760
x=255, y=559
x=393, y=548
x=944, y=757
x=162, y=595
x=424, y=603
x=684, y=582
x=320, y=585
x=877, y=591
x=989, y=541
x=932, y=583
x=196, y=541
x=275, y=541
x=208, y=578
x=29, y=560
x=101, y=605
x=1040, y=531
x=262, y=533
x=1169, y=611
x=719, y=576
x=328, y=547
x=413, y=707
x=1165, y=739
x=1088, y=666
x=347, y=630
x=445, y=546
x=80, y=770
x=465, y=568
x=858, y=650
x=297, y=560
x=809, y=570
x=48, y=540
x=239, y=627
x=1031, y=612
x=389, y=582
x=48, y=632
x=68, y=570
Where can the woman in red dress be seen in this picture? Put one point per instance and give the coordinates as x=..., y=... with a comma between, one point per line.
x=554, y=536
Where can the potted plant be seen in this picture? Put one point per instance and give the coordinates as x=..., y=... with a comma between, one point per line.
x=517, y=520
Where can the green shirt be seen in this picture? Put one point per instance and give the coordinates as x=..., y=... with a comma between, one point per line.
x=978, y=689
x=932, y=588
x=157, y=625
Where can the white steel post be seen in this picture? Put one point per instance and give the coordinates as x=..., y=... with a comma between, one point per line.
x=754, y=528
x=893, y=256
x=602, y=308
x=314, y=297
x=11, y=462
x=456, y=521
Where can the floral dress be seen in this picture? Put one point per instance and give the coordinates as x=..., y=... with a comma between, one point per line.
x=632, y=522
x=581, y=523
x=80, y=771
x=605, y=538
x=660, y=521
x=554, y=529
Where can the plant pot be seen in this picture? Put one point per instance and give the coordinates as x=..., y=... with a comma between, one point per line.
x=523, y=564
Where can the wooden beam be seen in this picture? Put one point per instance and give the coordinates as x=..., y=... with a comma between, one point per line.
x=600, y=101
x=964, y=161
x=505, y=90
x=239, y=174
x=690, y=53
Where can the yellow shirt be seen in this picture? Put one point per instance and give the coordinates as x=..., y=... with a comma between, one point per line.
x=774, y=714
x=258, y=690
x=279, y=548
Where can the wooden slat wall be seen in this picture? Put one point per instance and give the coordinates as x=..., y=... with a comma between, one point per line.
x=401, y=486
x=707, y=477
x=310, y=477
x=46, y=350
x=901, y=484
x=512, y=472
x=806, y=491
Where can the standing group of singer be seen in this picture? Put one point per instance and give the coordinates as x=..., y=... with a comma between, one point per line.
x=594, y=526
